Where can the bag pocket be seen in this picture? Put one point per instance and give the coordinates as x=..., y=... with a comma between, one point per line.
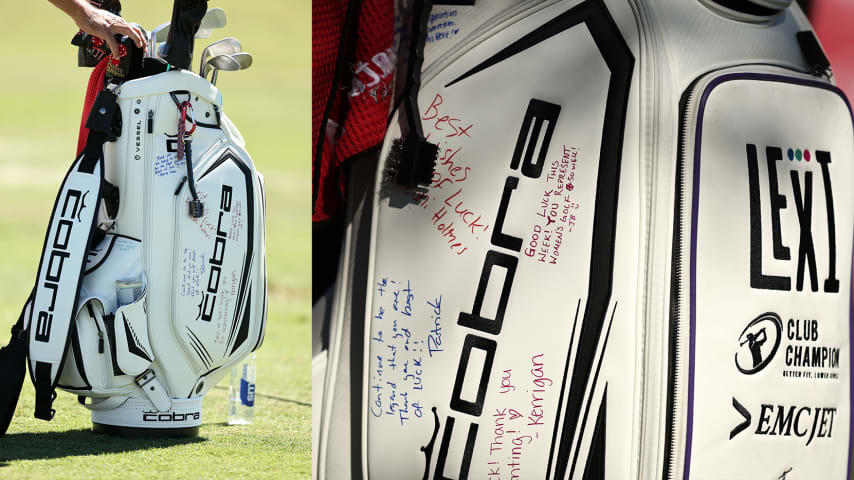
x=88, y=367
x=215, y=260
x=760, y=323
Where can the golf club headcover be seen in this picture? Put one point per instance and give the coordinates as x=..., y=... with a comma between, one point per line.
x=633, y=260
x=186, y=17
x=91, y=49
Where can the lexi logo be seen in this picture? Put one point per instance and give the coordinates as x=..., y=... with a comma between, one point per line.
x=758, y=343
x=804, y=186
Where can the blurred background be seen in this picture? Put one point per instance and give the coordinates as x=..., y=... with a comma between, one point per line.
x=831, y=20
x=41, y=97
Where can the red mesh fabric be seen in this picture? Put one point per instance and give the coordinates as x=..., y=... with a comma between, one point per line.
x=96, y=84
x=327, y=24
x=359, y=107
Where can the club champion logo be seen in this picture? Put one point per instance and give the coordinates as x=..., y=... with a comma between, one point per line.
x=758, y=343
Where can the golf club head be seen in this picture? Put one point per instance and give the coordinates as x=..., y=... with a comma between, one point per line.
x=226, y=46
x=161, y=33
x=243, y=58
x=213, y=19
x=222, y=62
x=158, y=35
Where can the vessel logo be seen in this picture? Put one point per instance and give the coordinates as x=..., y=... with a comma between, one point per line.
x=758, y=343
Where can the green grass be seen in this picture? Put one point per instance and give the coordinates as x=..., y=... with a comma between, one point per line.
x=42, y=94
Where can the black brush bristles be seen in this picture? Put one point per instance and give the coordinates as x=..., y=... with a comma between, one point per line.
x=411, y=162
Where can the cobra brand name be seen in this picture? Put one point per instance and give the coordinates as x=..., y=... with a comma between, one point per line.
x=71, y=207
x=170, y=416
x=537, y=114
x=217, y=257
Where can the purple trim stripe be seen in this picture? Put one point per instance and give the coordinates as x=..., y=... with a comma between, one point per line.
x=693, y=277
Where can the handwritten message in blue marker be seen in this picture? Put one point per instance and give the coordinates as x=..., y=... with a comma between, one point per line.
x=167, y=164
x=406, y=334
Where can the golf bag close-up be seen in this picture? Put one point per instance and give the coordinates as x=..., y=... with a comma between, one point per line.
x=152, y=281
x=632, y=259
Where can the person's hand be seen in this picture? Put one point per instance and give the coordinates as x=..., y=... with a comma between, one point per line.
x=105, y=25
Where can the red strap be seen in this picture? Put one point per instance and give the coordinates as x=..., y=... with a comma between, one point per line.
x=182, y=127
x=96, y=84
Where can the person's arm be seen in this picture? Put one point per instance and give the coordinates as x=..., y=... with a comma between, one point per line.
x=100, y=23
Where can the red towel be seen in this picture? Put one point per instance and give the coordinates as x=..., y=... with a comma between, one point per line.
x=352, y=75
x=96, y=84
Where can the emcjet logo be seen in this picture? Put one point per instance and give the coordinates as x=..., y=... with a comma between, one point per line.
x=804, y=422
x=758, y=343
x=72, y=206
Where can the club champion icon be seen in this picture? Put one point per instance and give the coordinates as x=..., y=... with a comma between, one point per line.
x=758, y=343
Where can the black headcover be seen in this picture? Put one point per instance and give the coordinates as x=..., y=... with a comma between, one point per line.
x=91, y=52
x=186, y=17
x=13, y=367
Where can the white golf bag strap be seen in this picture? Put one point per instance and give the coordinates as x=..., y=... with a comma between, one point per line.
x=154, y=390
x=60, y=273
x=99, y=404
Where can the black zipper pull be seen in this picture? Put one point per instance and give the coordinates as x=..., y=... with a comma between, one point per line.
x=813, y=53
x=100, y=342
x=151, y=121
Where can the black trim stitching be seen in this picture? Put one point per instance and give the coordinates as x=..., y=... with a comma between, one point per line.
x=562, y=390
x=130, y=338
x=587, y=408
x=109, y=249
x=78, y=362
x=675, y=282
x=200, y=348
x=243, y=332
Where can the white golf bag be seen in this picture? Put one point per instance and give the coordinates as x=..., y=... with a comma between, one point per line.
x=168, y=295
x=633, y=260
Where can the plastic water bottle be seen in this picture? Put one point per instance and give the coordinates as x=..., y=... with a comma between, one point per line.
x=241, y=408
x=128, y=291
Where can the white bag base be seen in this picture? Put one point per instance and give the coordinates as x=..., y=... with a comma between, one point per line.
x=138, y=417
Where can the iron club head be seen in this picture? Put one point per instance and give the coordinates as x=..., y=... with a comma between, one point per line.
x=214, y=18
x=226, y=46
x=243, y=58
x=223, y=62
x=159, y=34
